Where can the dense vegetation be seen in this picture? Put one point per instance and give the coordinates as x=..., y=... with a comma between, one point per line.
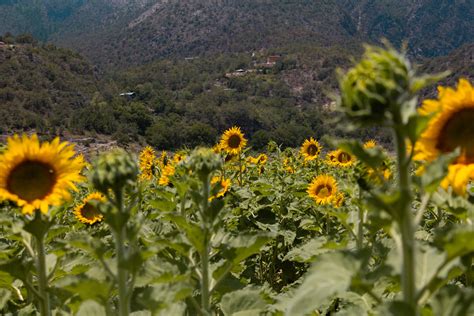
x=182, y=102
x=174, y=103
x=41, y=85
x=124, y=33
x=340, y=229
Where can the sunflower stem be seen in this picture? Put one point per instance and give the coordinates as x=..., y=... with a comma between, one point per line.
x=122, y=275
x=360, y=228
x=205, y=295
x=405, y=222
x=240, y=169
x=45, y=308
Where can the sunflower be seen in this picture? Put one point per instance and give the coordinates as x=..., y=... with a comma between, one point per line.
x=338, y=200
x=323, y=189
x=146, y=162
x=449, y=128
x=224, y=185
x=331, y=158
x=163, y=160
x=342, y=158
x=87, y=212
x=287, y=165
x=310, y=149
x=370, y=144
x=35, y=175
x=259, y=160
x=217, y=148
x=177, y=158
x=262, y=159
x=233, y=141
x=166, y=173
x=379, y=175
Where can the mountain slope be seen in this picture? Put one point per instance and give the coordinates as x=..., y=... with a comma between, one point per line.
x=41, y=86
x=431, y=27
x=196, y=27
x=120, y=32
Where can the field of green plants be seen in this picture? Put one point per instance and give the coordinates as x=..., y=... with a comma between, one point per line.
x=350, y=228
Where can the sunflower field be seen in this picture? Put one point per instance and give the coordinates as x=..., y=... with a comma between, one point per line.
x=350, y=228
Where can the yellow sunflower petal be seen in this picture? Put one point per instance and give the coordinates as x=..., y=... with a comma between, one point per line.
x=37, y=175
x=450, y=128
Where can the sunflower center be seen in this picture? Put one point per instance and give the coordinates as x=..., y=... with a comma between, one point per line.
x=344, y=157
x=31, y=180
x=458, y=131
x=312, y=150
x=89, y=212
x=234, y=141
x=323, y=191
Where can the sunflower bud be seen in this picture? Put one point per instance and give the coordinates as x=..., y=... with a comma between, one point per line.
x=204, y=161
x=114, y=170
x=376, y=87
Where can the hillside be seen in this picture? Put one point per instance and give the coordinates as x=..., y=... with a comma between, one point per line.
x=196, y=27
x=194, y=100
x=124, y=33
x=184, y=101
x=41, y=85
x=460, y=62
x=431, y=27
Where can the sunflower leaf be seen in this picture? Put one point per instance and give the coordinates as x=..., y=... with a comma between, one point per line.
x=372, y=157
x=436, y=171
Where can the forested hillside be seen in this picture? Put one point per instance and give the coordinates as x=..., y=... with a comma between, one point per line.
x=123, y=33
x=41, y=85
x=177, y=73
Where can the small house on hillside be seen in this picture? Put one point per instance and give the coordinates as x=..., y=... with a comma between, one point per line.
x=129, y=95
x=273, y=59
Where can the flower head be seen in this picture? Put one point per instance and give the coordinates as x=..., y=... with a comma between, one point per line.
x=113, y=171
x=36, y=175
x=87, y=212
x=370, y=144
x=323, y=189
x=166, y=173
x=449, y=128
x=233, y=141
x=146, y=163
x=224, y=185
x=340, y=158
x=310, y=149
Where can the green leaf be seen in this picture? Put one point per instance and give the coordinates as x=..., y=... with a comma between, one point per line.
x=459, y=242
x=453, y=301
x=308, y=251
x=436, y=171
x=38, y=226
x=433, y=268
x=4, y=297
x=329, y=276
x=91, y=308
x=243, y=246
x=193, y=232
x=427, y=80
x=141, y=313
x=394, y=308
x=372, y=157
x=89, y=289
x=238, y=249
x=416, y=126
x=245, y=302
x=163, y=205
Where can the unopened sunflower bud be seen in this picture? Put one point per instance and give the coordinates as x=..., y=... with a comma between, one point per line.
x=204, y=161
x=375, y=88
x=113, y=170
